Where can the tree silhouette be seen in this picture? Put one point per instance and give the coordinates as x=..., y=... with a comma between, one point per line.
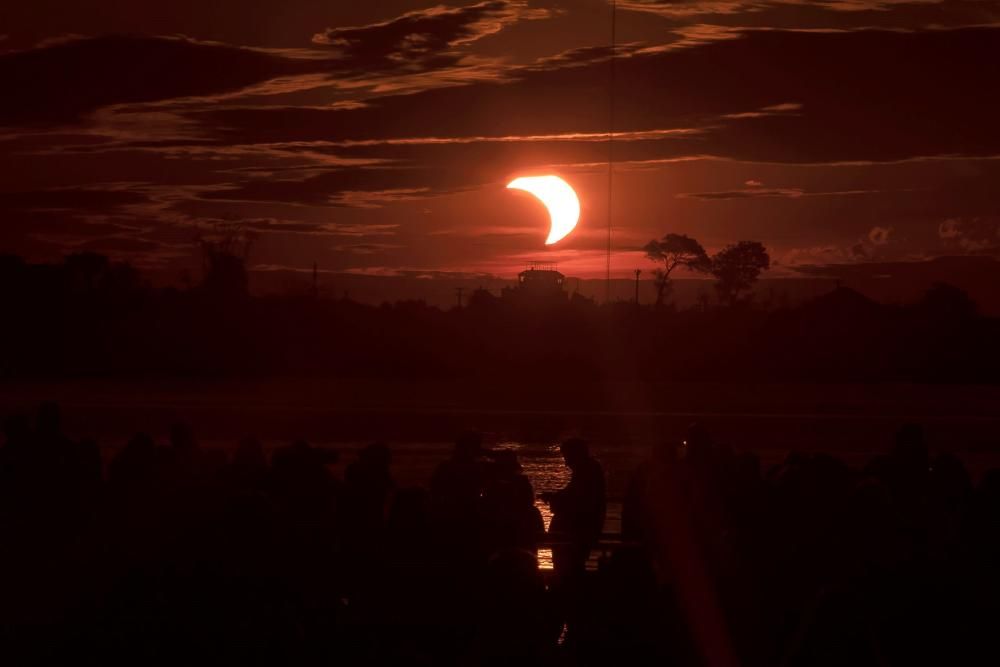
x=224, y=256
x=737, y=267
x=944, y=303
x=91, y=273
x=675, y=250
x=85, y=271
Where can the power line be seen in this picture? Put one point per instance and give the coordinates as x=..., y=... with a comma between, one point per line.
x=611, y=142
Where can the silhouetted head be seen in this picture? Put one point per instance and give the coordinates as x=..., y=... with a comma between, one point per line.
x=574, y=451
x=376, y=455
x=291, y=456
x=326, y=455
x=140, y=442
x=469, y=446
x=182, y=437
x=697, y=443
x=522, y=493
x=989, y=486
x=506, y=462
x=136, y=462
x=910, y=450
x=300, y=451
x=49, y=418
x=250, y=454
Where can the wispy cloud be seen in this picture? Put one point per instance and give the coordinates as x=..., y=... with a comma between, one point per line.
x=426, y=37
x=980, y=234
x=757, y=191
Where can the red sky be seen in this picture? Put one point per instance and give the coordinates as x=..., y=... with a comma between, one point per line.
x=376, y=137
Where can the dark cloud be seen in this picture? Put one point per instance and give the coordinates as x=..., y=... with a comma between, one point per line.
x=749, y=193
x=71, y=199
x=366, y=248
x=272, y=225
x=118, y=245
x=973, y=235
x=280, y=226
x=62, y=81
x=49, y=233
x=18, y=226
x=269, y=23
x=761, y=96
x=424, y=38
x=905, y=87
x=758, y=192
x=821, y=14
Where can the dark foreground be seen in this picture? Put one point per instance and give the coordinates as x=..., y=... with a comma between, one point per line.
x=176, y=553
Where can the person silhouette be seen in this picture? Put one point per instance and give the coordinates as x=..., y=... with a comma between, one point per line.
x=456, y=489
x=16, y=449
x=367, y=494
x=509, y=516
x=247, y=471
x=52, y=443
x=457, y=483
x=577, y=510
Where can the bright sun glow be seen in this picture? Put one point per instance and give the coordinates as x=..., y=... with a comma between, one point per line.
x=558, y=197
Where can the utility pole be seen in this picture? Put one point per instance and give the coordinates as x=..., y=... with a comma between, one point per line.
x=458, y=291
x=611, y=142
x=637, y=272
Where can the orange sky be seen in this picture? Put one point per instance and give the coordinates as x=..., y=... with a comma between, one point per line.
x=378, y=137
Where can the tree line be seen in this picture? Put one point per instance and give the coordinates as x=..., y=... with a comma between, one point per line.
x=735, y=268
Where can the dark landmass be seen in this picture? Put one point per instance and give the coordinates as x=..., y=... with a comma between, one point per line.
x=91, y=317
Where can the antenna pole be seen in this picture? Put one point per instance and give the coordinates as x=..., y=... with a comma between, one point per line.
x=611, y=140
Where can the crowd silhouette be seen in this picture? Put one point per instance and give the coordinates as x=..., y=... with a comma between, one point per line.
x=175, y=552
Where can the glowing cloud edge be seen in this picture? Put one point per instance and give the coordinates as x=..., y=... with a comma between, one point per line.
x=559, y=199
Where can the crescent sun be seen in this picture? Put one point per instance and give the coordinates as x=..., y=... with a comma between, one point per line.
x=558, y=197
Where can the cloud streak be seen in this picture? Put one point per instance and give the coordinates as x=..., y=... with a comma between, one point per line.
x=425, y=38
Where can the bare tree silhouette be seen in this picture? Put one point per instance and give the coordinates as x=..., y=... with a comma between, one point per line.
x=224, y=257
x=675, y=250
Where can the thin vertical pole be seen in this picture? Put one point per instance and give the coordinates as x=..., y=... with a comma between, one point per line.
x=611, y=140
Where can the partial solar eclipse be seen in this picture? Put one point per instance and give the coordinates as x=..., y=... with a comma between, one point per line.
x=558, y=197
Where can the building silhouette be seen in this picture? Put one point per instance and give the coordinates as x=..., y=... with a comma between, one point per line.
x=539, y=284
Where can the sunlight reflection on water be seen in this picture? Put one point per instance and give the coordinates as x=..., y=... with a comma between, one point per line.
x=414, y=462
